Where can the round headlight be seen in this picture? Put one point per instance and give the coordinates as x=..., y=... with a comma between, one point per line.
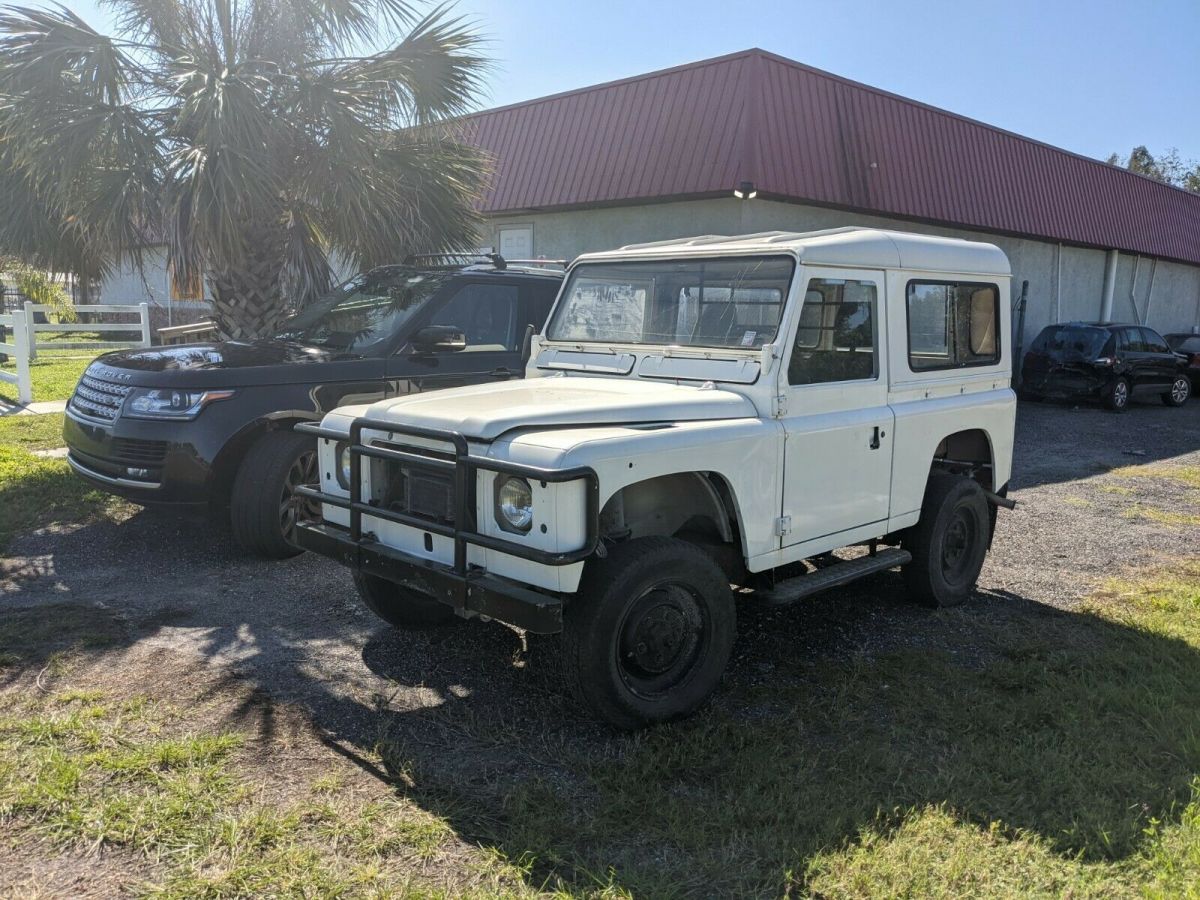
x=343, y=465
x=514, y=504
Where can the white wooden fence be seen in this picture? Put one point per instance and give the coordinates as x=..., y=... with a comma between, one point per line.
x=17, y=347
x=141, y=310
x=20, y=345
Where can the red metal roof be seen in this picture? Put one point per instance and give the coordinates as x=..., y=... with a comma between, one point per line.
x=805, y=135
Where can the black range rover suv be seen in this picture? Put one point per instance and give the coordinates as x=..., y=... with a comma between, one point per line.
x=209, y=426
x=1109, y=362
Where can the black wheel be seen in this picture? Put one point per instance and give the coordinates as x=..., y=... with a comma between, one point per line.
x=650, y=632
x=1180, y=390
x=402, y=606
x=264, y=508
x=1116, y=395
x=949, y=543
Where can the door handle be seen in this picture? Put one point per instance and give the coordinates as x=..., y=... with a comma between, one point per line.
x=875, y=436
x=502, y=373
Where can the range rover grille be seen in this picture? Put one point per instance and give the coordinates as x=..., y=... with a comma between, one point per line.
x=99, y=398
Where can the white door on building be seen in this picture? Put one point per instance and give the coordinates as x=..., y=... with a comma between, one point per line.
x=516, y=241
x=838, y=424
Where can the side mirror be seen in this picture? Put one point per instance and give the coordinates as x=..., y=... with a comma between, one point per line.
x=439, y=338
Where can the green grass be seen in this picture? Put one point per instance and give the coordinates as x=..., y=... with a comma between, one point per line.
x=1181, y=474
x=42, y=432
x=93, y=773
x=53, y=378
x=36, y=492
x=1058, y=756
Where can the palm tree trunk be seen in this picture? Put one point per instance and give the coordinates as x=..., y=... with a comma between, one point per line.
x=248, y=299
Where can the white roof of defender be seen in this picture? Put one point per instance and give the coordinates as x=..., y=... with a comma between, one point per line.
x=874, y=248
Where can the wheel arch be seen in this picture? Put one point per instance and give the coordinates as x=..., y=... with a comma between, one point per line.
x=227, y=462
x=667, y=504
x=970, y=451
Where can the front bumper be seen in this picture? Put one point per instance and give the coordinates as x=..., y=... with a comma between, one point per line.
x=467, y=588
x=142, y=461
x=472, y=593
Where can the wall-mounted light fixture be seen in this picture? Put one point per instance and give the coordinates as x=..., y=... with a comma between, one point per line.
x=745, y=191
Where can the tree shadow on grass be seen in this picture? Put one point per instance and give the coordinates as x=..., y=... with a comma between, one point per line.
x=1066, y=725
x=837, y=715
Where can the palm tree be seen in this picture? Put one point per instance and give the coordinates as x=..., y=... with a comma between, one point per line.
x=257, y=138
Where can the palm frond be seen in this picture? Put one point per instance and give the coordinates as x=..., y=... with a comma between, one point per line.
x=45, y=51
x=435, y=72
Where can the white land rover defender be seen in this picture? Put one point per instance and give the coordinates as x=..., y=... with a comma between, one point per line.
x=698, y=413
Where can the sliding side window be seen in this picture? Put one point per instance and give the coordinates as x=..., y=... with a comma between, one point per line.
x=952, y=324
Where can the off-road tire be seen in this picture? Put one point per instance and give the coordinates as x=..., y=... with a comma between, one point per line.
x=649, y=634
x=400, y=606
x=949, y=543
x=1181, y=389
x=262, y=489
x=1116, y=395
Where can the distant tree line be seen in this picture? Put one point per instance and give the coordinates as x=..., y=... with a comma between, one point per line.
x=1168, y=167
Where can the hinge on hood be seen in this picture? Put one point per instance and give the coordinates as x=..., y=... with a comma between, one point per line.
x=779, y=406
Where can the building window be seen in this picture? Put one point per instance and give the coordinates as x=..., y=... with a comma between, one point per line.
x=835, y=340
x=952, y=324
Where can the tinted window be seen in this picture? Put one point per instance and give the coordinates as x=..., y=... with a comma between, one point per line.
x=486, y=313
x=1071, y=341
x=364, y=311
x=1153, y=341
x=952, y=324
x=1132, y=338
x=1184, y=343
x=727, y=302
x=835, y=340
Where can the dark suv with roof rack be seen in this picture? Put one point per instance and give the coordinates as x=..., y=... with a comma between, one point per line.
x=209, y=426
x=1108, y=362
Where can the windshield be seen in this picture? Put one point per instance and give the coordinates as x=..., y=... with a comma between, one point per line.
x=1071, y=341
x=364, y=311
x=723, y=302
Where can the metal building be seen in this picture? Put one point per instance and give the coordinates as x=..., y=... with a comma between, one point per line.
x=667, y=154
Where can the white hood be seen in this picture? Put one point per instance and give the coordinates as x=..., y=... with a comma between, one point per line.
x=487, y=411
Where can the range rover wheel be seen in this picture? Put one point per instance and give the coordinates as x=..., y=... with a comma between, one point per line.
x=949, y=543
x=264, y=507
x=1180, y=390
x=1116, y=395
x=648, y=636
x=404, y=607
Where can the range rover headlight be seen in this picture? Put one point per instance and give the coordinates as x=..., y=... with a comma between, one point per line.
x=514, y=504
x=166, y=403
x=342, y=452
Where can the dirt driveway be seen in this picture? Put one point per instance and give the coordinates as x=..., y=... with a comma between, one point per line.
x=286, y=652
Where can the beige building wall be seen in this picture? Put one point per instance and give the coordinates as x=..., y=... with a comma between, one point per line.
x=1065, y=283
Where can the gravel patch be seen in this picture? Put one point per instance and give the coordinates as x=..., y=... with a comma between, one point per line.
x=297, y=631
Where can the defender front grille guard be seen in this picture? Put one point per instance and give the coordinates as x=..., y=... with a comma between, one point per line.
x=462, y=467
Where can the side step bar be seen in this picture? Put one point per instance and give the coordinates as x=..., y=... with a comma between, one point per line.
x=802, y=586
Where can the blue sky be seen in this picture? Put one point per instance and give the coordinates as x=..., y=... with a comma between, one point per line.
x=1093, y=77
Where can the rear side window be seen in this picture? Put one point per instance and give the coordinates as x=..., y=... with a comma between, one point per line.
x=1154, y=343
x=952, y=324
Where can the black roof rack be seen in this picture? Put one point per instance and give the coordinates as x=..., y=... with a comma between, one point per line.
x=463, y=259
